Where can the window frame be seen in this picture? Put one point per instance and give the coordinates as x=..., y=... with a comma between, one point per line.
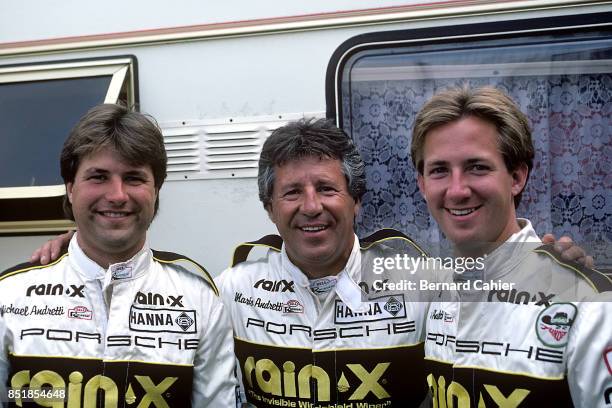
x=123, y=72
x=454, y=33
x=340, y=71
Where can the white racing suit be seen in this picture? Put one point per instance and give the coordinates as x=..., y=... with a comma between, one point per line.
x=294, y=351
x=546, y=341
x=151, y=331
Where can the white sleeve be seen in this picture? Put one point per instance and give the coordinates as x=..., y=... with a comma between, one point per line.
x=589, y=363
x=214, y=382
x=223, y=282
x=4, y=364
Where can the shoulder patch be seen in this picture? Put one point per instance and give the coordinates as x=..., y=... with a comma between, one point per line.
x=173, y=258
x=554, y=324
x=28, y=266
x=241, y=252
x=598, y=280
x=386, y=234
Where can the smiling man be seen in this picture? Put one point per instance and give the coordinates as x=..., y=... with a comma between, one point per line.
x=112, y=322
x=544, y=342
x=303, y=334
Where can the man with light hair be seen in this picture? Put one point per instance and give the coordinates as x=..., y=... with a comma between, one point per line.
x=546, y=341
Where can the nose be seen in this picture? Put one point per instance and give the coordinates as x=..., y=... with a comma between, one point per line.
x=311, y=203
x=116, y=191
x=458, y=188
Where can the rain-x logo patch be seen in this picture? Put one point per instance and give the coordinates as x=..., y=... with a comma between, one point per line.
x=554, y=322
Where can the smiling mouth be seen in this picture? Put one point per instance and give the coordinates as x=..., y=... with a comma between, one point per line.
x=314, y=228
x=113, y=214
x=462, y=211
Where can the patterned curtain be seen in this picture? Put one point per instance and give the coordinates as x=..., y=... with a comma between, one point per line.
x=569, y=189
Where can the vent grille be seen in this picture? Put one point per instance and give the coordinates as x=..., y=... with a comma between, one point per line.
x=183, y=149
x=218, y=149
x=239, y=148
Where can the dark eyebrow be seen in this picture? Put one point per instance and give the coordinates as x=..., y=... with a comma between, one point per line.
x=468, y=161
x=140, y=173
x=93, y=170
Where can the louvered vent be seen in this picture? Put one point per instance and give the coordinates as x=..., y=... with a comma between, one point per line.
x=218, y=149
x=234, y=148
x=183, y=150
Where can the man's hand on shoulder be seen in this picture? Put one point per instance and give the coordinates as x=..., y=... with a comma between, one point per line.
x=51, y=249
x=569, y=250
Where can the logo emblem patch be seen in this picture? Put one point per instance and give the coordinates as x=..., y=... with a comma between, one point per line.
x=554, y=323
x=184, y=321
x=121, y=271
x=80, y=312
x=376, y=309
x=393, y=306
x=293, y=306
x=162, y=320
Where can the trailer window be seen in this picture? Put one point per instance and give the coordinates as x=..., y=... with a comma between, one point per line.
x=561, y=78
x=39, y=104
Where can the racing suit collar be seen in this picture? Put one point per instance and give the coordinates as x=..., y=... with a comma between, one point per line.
x=505, y=257
x=347, y=288
x=132, y=268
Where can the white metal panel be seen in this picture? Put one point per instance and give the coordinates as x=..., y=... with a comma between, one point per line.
x=219, y=148
x=68, y=18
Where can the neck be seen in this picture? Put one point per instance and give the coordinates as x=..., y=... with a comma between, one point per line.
x=320, y=269
x=108, y=257
x=319, y=272
x=476, y=249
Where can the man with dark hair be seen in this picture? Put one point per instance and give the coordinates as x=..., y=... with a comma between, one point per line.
x=540, y=337
x=111, y=319
x=304, y=332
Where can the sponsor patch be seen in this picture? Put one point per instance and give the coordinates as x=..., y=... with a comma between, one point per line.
x=293, y=306
x=441, y=315
x=607, y=356
x=380, y=308
x=158, y=320
x=132, y=383
x=554, y=322
x=184, y=321
x=522, y=297
x=157, y=299
x=57, y=289
x=80, y=312
x=121, y=271
x=274, y=286
x=323, y=285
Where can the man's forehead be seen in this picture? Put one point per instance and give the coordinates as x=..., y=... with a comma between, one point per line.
x=307, y=159
x=323, y=164
x=471, y=146
x=108, y=156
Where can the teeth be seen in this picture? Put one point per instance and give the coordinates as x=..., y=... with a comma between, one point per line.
x=313, y=229
x=462, y=212
x=113, y=214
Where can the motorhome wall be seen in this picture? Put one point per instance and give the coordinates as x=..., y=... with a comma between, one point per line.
x=266, y=75
x=269, y=75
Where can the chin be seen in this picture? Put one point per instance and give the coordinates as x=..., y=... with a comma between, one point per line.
x=461, y=239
